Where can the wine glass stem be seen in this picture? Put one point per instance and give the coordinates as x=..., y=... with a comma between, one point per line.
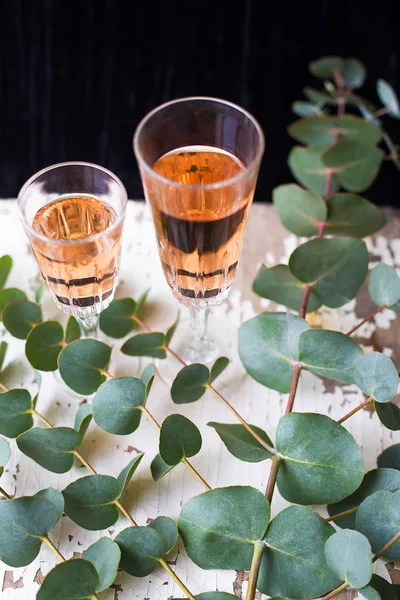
x=199, y=325
x=89, y=326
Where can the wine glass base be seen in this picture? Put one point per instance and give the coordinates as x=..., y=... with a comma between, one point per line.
x=203, y=350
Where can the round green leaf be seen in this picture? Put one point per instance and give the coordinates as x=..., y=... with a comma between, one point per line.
x=159, y=468
x=279, y=285
x=335, y=267
x=355, y=163
x=390, y=458
x=379, y=589
x=189, y=384
x=52, y=448
x=293, y=563
x=74, y=579
x=330, y=354
x=43, y=345
x=83, y=419
x=218, y=527
x=5, y=453
x=384, y=285
x=241, y=443
x=81, y=365
x=104, y=556
x=378, y=518
x=170, y=333
x=389, y=415
x=141, y=302
x=146, y=344
x=324, y=68
x=353, y=73
x=117, y=405
x=20, y=316
x=321, y=460
x=55, y=497
x=10, y=295
x=353, y=215
x=307, y=167
x=317, y=96
x=356, y=128
x=167, y=528
x=268, y=347
x=305, y=109
x=348, y=555
x=24, y=521
x=6, y=263
x=322, y=131
x=300, y=211
x=72, y=331
x=179, y=439
x=116, y=321
x=3, y=352
x=127, y=473
x=388, y=97
x=89, y=501
x=218, y=367
x=148, y=377
x=15, y=412
x=376, y=376
x=374, y=481
x=141, y=547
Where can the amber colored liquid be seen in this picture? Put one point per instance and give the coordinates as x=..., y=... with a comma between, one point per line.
x=84, y=273
x=200, y=231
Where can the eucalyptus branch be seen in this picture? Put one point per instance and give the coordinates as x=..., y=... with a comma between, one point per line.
x=344, y=513
x=175, y=577
x=367, y=318
x=269, y=492
x=254, y=570
x=356, y=409
x=392, y=149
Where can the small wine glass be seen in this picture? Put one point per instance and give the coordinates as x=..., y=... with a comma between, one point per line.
x=199, y=160
x=73, y=215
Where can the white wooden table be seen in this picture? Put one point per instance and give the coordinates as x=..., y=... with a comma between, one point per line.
x=266, y=241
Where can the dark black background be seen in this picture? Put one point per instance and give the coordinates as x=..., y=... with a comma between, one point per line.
x=77, y=76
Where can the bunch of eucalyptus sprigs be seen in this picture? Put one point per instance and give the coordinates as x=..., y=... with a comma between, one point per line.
x=314, y=460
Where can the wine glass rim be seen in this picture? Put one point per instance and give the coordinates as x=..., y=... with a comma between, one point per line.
x=207, y=186
x=85, y=240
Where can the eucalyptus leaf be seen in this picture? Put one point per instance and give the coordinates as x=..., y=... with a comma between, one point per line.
x=179, y=439
x=55, y=497
x=24, y=522
x=218, y=367
x=72, y=330
x=20, y=316
x=355, y=163
x=3, y=352
x=389, y=415
x=90, y=501
x=52, y=448
x=5, y=453
x=322, y=130
x=43, y=345
x=141, y=302
x=10, y=295
x=378, y=518
x=379, y=589
x=269, y=347
x=148, y=377
x=74, y=579
x=127, y=473
x=330, y=354
x=146, y=344
x=39, y=292
x=141, y=547
x=293, y=563
x=170, y=333
x=6, y=263
x=190, y=384
x=305, y=109
x=321, y=460
x=168, y=529
x=220, y=526
x=241, y=443
x=83, y=419
x=116, y=321
x=300, y=211
x=325, y=67
x=376, y=376
x=279, y=285
x=348, y=555
x=374, y=481
x=349, y=214
x=390, y=458
x=104, y=556
x=388, y=97
x=384, y=285
x=317, y=96
x=15, y=412
x=307, y=167
x=82, y=363
x=159, y=468
x=353, y=73
x=336, y=268
x=117, y=405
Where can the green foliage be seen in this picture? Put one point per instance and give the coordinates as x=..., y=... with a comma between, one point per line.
x=43, y=345
x=384, y=285
x=10, y=295
x=168, y=529
x=117, y=405
x=390, y=458
x=241, y=443
x=321, y=130
x=325, y=67
x=116, y=321
x=3, y=352
x=268, y=347
x=388, y=97
x=300, y=211
x=83, y=419
x=6, y=263
x=378, y=518
x=5, y=453
x=219, y=530
x=20, y=316
x=24, y=522
x=218, y=367
x=355, y=164
x=55, y=497
x=159, y=468
x=148, y=377
x=104, y=556
x=15, y=412
x=146, y=344
x=72, y=330
x=336, y=268
x=379, y=589
x=304, y=109
x=279, y=285
x=170, y=332
x=307, y=167
x=90, y=501
x=190, y=384
x=348, y=554
x=376, y=376
x=389, y=415
x=52, y=448
x=321, y=460
x=82, y=365
x=75, y=579
x=352, y=71
x=349, y=214
x=127, y=473
x=179, y=439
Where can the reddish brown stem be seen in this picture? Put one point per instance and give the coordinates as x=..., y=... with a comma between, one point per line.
x=366, y=319
x=269, y=492
x=304, y=302
x=293, y=388
x=356, y=409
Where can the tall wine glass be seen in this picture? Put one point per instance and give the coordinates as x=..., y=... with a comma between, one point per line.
x=73, y=215
x=199, y=160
